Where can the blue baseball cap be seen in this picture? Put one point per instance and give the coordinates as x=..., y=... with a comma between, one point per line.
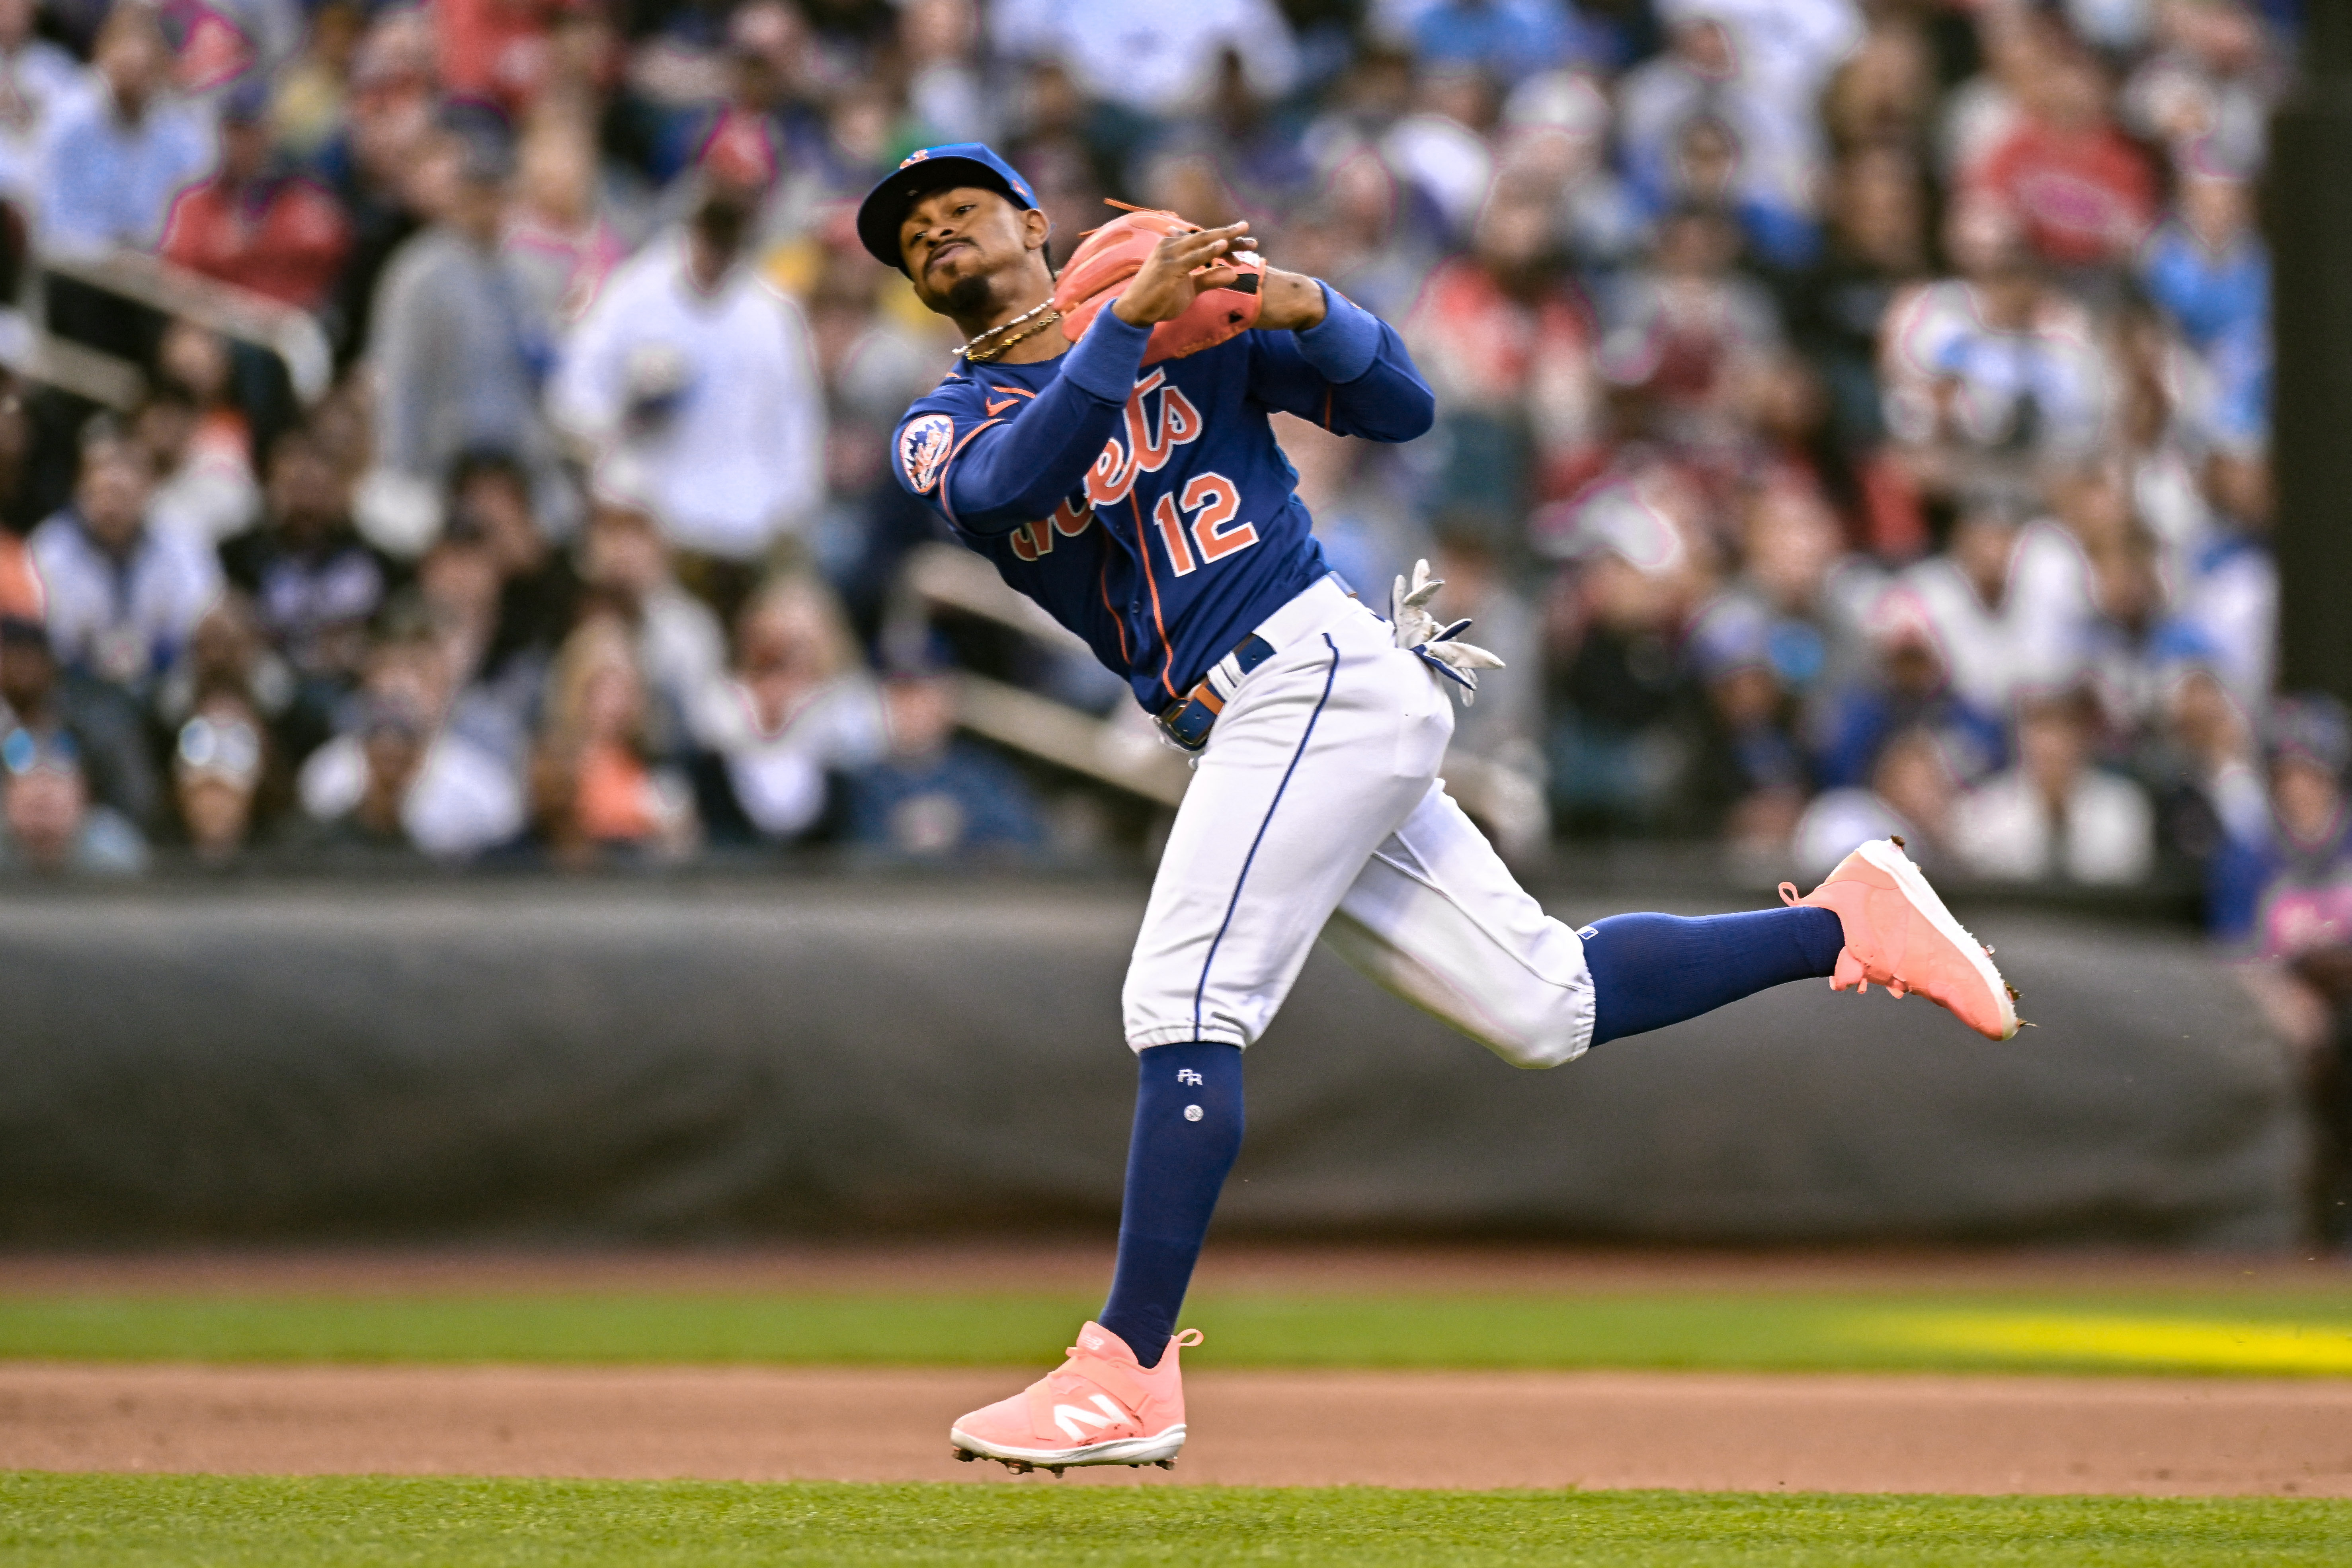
x=930, y=169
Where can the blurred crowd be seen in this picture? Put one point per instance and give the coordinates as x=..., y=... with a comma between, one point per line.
x=1852, y=418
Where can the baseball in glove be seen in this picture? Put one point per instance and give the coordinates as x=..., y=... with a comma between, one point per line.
x=1109, y=256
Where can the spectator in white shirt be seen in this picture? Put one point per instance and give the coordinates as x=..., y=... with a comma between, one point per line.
x=1788, y=47
x=801, y=707
x=947, y=90
x=1994, y=371
x=693, y=380
x=2008, y=608
x=1725, y=65
x=37, y=80
x=116, y=158
x=1152, y=59
x=2054, y=817
x=402, y=779
x=123, y=594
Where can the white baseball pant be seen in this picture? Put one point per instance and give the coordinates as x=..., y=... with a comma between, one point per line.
x=1315, y=809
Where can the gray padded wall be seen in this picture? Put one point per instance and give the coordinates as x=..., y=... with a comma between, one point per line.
x=639, y=1061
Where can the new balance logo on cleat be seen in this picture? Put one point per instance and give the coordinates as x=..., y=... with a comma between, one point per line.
x=1068, y=1416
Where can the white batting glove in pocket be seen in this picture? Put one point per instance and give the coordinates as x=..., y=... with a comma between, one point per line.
x=1418, y=632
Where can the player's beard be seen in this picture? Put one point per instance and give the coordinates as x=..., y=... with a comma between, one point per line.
x=970, y=297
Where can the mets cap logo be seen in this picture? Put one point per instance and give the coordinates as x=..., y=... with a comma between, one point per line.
x=923, y=448
x=917, y=156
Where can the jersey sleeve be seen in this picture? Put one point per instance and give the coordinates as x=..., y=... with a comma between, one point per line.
x=1349, y=373
x=990, y=475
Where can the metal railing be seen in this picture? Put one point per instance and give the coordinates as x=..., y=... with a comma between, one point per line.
x=238, y=314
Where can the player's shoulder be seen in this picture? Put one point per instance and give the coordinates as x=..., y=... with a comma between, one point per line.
x=969, y=397
x=954, y=399
x=957, y=393
x=933, y=424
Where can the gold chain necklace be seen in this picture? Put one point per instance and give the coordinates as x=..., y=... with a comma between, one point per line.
x=975, y=354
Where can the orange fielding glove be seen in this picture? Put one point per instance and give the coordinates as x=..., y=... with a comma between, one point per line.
x=1109, y=256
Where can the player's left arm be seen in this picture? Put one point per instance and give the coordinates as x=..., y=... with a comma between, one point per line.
x=1323, y=357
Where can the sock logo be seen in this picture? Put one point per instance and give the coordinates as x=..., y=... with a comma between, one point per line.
x=1186, y=1075
x=1192, y=1113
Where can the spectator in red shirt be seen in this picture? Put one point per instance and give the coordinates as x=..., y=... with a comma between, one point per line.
x=1503, y=335
x=2082, y=194
x=255, y=225
x=492, y=51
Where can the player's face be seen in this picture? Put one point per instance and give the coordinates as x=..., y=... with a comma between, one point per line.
x=955, y=241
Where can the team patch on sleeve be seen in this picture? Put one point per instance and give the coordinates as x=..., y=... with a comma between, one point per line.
x=923, y=448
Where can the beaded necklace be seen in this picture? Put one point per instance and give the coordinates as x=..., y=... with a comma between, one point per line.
x=972, y=354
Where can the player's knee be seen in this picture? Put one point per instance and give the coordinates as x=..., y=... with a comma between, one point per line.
x=1539, y=1052
x=1543, y=1029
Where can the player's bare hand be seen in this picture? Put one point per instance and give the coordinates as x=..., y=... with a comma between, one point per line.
x=1179, y=267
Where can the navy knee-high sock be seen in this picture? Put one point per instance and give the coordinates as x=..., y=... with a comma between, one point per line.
x=1188, y=1127
x=1649, y=971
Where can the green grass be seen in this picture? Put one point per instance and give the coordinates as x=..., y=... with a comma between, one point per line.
x=227, y=1522
x=2251, y=1332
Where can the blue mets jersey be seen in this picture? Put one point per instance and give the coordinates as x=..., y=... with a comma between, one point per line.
x=1150, y=511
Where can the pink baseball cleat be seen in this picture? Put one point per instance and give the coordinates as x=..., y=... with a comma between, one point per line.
x=1898, y=933
x=1099, y=1407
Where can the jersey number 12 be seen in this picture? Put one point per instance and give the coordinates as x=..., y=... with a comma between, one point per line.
x=1212, y=499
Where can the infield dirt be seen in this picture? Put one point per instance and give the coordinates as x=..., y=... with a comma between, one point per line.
x=1967, y=1434
x=1264, y=1428
x=1684, y=1430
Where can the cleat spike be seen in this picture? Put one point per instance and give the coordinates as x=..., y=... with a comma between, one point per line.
x=966, y=1455
x=1057, y=1470
x=1896, y=839
x=1165, y=1464
x=2014, y=995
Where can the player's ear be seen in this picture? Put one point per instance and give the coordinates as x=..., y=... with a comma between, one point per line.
x=1036, y=228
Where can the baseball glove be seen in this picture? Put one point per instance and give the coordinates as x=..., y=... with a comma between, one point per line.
x=1109, y=256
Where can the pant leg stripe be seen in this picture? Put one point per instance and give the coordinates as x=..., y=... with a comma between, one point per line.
x=1233, y=903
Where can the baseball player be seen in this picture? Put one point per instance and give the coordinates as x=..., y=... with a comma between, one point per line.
x=1104, y=439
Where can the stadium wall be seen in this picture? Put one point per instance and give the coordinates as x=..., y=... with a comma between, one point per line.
x=607, y=1061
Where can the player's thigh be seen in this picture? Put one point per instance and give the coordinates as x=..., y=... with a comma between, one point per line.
x=1435, y=917
x=1318, y=758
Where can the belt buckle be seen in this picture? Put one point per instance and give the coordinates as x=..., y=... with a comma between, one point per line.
x=1188, y=721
